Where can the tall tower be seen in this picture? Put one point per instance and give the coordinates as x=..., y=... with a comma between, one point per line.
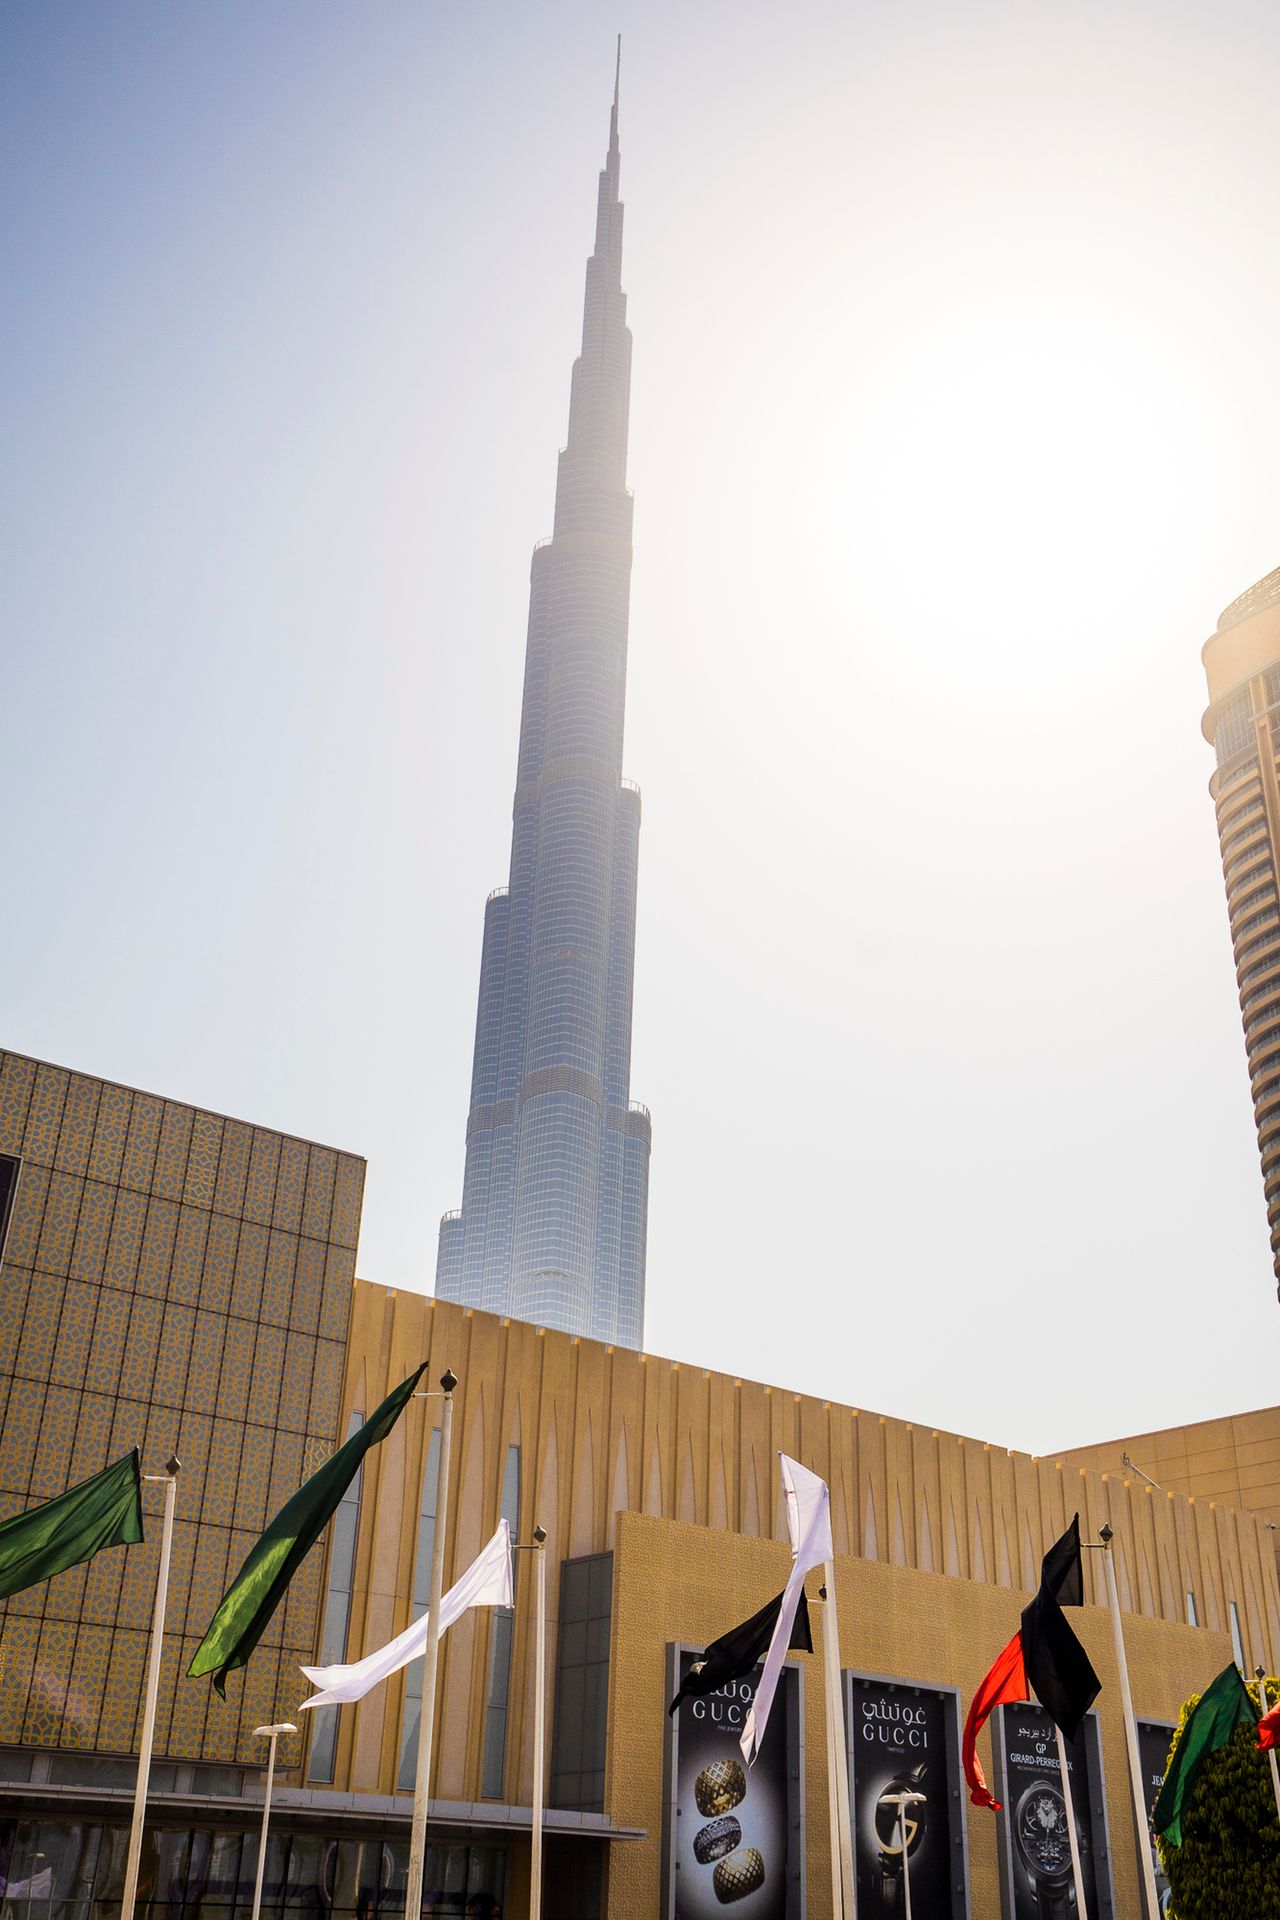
x=1242, y=724
x=555, y=1192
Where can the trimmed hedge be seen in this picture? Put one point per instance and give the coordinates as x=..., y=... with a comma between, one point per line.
x=1228, y=1866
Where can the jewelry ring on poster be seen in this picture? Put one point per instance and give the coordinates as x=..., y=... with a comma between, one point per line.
x=720, y=1787
x=742, y=1873
x=716, y=1839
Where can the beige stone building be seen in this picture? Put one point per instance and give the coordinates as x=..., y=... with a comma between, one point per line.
x=183, y=1281
x=1232, y=1462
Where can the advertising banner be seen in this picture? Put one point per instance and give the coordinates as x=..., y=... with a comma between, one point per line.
x=1036, y=1880
x=904, y=1780
x=733, y=1835
x=1154, y=1740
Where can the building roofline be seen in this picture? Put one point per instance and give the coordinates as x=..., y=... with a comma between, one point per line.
x=172, y=1100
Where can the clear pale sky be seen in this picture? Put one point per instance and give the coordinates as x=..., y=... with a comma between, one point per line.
x=955, y=423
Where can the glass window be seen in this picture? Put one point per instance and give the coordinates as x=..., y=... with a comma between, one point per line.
x=1193, y=1619
x=582, y=1683
x=8, y=1187
x=1237, y=1643
x=216, y=1869
x=337, y=1614
x=496, y=1709
x=1234, y=731
x=303, y=1894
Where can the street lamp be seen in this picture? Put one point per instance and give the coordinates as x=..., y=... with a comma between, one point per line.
x=271, y=1734
x=31, y=1880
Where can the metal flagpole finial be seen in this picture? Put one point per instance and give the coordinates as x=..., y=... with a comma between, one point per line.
x=539, y=1536
x=448, y=1380
x=1105, y=1534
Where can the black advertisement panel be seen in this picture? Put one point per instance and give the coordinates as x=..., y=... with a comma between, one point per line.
x=733, y=1834
x=907, y=1810
x=1155, y=1737
x=1036, y=1879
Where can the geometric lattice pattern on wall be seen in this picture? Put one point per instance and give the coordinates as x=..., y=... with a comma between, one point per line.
x=181, y=1282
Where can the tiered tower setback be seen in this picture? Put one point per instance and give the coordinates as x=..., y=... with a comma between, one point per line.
x=555, y=1192
x=1242, y=723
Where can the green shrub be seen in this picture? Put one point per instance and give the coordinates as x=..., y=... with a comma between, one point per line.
x=1228, y=1866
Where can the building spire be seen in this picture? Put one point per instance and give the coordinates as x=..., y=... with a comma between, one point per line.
x=608, y=206
x=617, y=80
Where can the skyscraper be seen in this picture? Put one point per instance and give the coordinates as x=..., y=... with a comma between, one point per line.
x=555, y=1191
x=1242, y=723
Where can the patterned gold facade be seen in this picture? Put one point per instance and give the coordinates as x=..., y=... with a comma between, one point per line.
x=180, y=1282
x=894, y=1620
x=604, y=1431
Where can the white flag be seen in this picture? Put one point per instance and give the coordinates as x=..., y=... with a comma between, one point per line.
x=809, y=1524
x=486, y=1583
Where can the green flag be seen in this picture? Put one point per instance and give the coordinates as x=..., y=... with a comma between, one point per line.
x=103, y=1512
x=259, y=1587
x=1222, y=1707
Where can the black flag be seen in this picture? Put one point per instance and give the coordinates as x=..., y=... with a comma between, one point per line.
x=739, y=1652
x=1057, y=1666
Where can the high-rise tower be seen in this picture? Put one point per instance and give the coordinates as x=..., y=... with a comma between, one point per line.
x=1242, y=723
x=555, y=1192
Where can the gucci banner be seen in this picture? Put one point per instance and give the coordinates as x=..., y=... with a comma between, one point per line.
x=903, y=1742
x=733, y=1836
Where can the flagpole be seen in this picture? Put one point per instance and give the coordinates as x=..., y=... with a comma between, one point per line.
x=833, y=1762
x=1260, y=1674
x=842, y=1839
x=426, y=1720
x=1076, y=1869
x=539, y=1726
x=537, y=1546
x=1140, y=1812
x=169, y=1477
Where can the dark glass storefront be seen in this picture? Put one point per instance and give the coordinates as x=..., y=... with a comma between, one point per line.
x=72, y=1871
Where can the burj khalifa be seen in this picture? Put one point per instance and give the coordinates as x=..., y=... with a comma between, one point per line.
x=552, y=1224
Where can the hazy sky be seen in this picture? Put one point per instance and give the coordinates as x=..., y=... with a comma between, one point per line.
x=955, y=423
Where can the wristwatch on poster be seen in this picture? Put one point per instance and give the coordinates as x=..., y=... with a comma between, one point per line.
x=1044, y=1847
x=900, y=1815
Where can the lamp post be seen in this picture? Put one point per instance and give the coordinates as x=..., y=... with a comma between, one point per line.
x=902, y=1801
x=271, y=1735
x=31, y=1880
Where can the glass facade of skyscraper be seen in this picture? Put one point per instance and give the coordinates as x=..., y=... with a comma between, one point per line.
x=555, y=1192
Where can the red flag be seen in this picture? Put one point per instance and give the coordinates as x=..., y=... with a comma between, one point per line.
x=1004, y=1685
x=1269, y=1730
